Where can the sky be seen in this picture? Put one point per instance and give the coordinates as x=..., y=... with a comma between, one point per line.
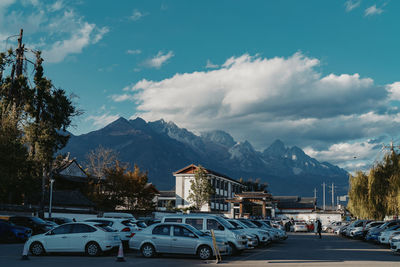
x=321, y=75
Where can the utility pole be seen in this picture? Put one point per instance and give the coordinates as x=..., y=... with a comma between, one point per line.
x=323, y=195
x=333, y=194
x=315, y=198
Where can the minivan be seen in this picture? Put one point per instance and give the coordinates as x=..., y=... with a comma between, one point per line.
x=236, y=239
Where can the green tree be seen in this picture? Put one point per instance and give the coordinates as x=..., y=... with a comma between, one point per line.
x=200, y=188
x=376, y=194
x=41, y=113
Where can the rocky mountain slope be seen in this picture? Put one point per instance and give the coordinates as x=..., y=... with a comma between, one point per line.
x=162, y=147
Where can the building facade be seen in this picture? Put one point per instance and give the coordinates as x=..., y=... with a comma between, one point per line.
x=224, y=187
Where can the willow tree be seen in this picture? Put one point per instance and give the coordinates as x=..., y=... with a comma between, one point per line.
x=376, y=194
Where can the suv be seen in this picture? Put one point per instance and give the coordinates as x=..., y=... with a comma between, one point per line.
x=37, y=225
x=237, y=240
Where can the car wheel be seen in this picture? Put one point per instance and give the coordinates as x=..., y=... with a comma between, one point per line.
x=37, y=249
x=92, y=249
x=148, y=251
x=204, y=252
x=258, y=241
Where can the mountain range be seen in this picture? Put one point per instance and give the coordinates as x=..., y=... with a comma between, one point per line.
x=161, y=148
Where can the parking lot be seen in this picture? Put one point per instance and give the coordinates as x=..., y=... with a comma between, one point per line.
x=300, y=249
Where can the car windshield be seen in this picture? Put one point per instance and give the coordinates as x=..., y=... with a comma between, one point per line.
x=225, y=223
x=38, y=220
x=249, y=224
x=237, y=226
x=194, y=230
x=141, y=224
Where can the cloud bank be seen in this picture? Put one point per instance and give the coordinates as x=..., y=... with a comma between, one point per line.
x=261, y=99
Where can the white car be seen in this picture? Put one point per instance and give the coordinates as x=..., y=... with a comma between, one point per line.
x=123, y=226
x=263, y=236
x=300, y=227
x=395, y=243
x=385, y=236
x=89, y=238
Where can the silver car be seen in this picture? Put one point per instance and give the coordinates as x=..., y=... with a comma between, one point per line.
x=175, y=238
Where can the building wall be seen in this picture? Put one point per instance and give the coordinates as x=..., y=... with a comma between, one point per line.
x=223, y=190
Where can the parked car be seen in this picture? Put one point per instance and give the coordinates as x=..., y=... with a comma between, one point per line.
x=138, y=225
x=59, y=220
x=37, y=225
x=395, y=243
x=300, y=227
x=355, y=228
x=373, y=233
x=385, y=235
x=237, y=239
x=279, y=234
x=86, y=237
x=123, y=226
x=10, y=232
x=175, y=238
x=262, y=236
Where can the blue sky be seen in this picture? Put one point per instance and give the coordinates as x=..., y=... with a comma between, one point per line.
x=321, y=75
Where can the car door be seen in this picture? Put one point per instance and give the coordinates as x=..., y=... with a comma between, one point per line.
x=183, y=240
x=58, y=239
x=161, y=237
x=80, y=235
x=219, y=230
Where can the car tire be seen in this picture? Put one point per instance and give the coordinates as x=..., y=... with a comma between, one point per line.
x=92, y=249
x=37, y=249
x=148, y=250
x=258, y=242
x=204, y=252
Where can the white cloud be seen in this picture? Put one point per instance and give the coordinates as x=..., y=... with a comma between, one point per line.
x=373, y=10
x=56, y=6
x=60, y=49
x=159, y=60
x=261, y=99
x=394, y=91
x=100, y=33
x=123, y=97
x=133, y=51
x=352, y=4
x=136, y=15
x=59, y=28
x=102, y=120
x=210, y=65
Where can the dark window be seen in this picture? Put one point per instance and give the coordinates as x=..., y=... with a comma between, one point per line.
x=161, y=230
x=213, y=224
x=82, y=228
x=217, y=186
x=177, y=220
x=196, y=223
x=63, y=229
x=182, y=231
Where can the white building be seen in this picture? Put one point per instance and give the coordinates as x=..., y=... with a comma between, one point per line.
x=224, y=186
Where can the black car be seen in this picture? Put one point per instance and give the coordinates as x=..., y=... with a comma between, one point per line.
x=10, y=232
x=59, y=220
x=37, y=225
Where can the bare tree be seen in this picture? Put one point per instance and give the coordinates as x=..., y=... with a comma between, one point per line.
x=99, y=160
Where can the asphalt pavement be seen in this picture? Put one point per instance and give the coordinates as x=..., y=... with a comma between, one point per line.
x=300, y=249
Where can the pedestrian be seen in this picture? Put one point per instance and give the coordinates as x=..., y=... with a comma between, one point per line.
x=319, y=228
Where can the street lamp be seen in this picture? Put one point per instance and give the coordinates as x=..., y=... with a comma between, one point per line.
x=51, y=196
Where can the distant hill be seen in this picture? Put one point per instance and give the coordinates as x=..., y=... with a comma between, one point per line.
x=161, y=148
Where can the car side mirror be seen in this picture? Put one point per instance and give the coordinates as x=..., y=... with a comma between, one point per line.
x=221, y=228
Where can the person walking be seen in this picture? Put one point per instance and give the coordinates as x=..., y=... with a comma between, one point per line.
x=319, y=228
